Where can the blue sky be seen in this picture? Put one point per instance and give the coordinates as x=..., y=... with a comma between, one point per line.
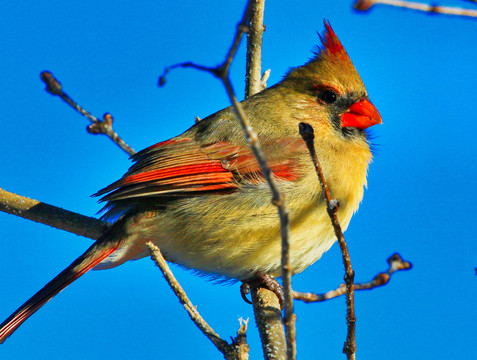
x=420, y=73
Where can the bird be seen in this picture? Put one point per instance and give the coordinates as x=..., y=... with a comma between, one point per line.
x=202, y=199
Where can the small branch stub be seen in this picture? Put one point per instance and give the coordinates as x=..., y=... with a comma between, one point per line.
x=101, y=127
x=264, y=79
x=239, y=347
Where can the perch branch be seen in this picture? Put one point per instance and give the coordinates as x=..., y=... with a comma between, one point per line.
x=278, y=200
x=104, y=126
x=255, y=83
x=307, y=133
x=268, y=318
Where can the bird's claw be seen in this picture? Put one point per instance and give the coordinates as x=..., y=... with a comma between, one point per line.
x=244, y=291
x=263, y=281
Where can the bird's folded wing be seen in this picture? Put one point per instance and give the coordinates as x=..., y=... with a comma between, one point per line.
x=182, y=167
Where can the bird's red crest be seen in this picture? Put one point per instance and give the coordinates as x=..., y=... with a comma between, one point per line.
x=330, y=41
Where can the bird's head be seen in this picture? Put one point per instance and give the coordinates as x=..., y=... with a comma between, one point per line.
x=330, y=85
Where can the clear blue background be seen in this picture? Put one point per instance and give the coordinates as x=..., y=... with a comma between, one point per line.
x=420, y=73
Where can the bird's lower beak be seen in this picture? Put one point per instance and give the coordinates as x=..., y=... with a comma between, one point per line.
x=362, y=115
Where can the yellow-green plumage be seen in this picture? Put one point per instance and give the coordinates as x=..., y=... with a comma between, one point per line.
x=236, y=235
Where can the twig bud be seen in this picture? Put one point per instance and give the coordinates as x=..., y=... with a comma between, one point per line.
x=363, y=5
x=108, y=119
x=53, y=86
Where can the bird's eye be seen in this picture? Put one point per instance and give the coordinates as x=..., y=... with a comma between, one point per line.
x=328, y=96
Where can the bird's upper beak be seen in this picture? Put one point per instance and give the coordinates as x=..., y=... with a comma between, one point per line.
x=362, y=115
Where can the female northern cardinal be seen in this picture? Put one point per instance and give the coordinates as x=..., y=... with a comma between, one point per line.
x=201, y=198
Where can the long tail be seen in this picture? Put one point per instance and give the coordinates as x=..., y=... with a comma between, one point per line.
x=101, y=249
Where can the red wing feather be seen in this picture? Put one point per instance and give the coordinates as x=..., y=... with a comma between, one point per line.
x=181, y=167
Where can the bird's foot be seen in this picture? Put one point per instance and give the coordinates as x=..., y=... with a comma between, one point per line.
x=263, y=281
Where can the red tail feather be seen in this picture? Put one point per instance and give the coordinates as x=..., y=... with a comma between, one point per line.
x=92, y=257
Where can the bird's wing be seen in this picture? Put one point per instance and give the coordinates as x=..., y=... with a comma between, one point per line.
x=182, y=167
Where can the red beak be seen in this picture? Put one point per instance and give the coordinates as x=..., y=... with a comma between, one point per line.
x=362, y=115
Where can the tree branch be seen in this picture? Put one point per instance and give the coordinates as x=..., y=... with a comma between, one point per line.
x=365, y=5
x=51, y=215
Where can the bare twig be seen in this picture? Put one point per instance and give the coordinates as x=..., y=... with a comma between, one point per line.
x=220, y=344
x=364, y=5
x=396, y=263
x=51, y=215
x=97, y=126
x=278, y=200
x=221, y=71
x=307, y=133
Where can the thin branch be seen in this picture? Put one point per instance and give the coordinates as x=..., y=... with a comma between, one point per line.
x=278, y=200
x=396, y=263
x=105, y=126
x=365, y=5
x=332, y=206
x=220, y=71
x=222, y=345
x=51, y=215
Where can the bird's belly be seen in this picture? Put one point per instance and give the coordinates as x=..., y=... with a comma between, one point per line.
x=247, y=245
x=241, y=251
x=231, y=239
